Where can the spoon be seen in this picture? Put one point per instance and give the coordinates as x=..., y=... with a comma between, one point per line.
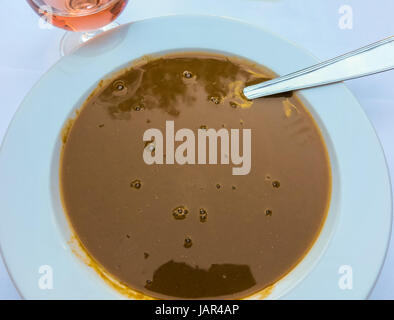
x=374, y=58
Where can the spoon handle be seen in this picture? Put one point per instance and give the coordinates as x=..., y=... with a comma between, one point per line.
x=374, y=58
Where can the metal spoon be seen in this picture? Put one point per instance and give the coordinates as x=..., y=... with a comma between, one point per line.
x=374, y=58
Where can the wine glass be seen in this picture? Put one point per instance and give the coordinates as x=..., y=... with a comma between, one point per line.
x=85, y=18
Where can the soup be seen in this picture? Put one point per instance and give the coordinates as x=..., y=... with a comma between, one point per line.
x=172, y=230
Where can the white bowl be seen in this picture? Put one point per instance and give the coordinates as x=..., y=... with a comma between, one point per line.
x=33, y=227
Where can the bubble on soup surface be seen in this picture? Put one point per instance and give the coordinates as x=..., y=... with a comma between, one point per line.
x=187, y=74
x=136, y=184
x=139, y=108
x=233, y=105
x=203, y=215
x=150, y=145
x=276, y=184
x=119, y=87
x=188, y=243
x=215, y=100
x=180, y=212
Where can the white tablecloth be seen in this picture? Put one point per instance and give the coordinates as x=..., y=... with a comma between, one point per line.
x=27, y=51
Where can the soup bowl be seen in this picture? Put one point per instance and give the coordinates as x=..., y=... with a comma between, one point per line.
x=36, y=238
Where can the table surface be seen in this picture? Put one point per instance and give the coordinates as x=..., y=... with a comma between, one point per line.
x=28, y=50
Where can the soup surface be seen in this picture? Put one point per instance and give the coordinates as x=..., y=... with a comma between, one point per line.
x=194, y=231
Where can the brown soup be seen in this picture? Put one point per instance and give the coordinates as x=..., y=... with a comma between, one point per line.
x=193, y=230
